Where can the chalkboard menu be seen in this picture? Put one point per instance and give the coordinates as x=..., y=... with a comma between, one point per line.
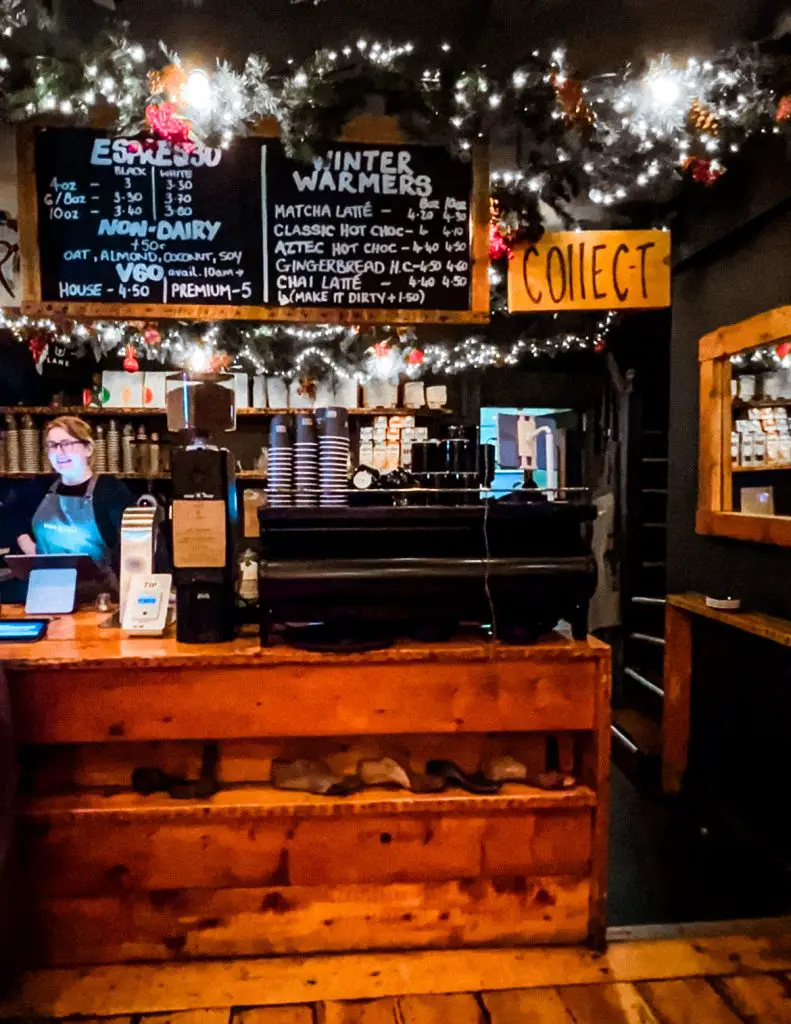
x=136, y=227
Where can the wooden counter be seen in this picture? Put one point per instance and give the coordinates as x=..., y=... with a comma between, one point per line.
x=113, y=876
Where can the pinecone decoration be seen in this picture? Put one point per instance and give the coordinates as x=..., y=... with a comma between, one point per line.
x=703, y=119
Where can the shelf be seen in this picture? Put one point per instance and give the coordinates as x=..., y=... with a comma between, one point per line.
x=77, y=410
x=261, y=801
x=759, y=403
x=765, y=467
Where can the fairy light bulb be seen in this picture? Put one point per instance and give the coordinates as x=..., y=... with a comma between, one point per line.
x=198, y=360
x=196, y=91
x=664, y=89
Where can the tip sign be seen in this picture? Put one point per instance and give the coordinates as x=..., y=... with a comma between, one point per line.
x=590, y=270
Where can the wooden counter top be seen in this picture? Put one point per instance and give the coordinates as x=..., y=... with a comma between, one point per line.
x=80, y=641
x=767, y=626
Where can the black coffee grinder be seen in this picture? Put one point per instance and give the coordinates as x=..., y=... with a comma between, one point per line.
x=204, y=511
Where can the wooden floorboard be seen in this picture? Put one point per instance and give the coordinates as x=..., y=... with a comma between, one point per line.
x=759, y=999
x=613, y=1004
x=275, y=1015
x=526, y=1006
x=343, y=986
x=191, y=1017
x=687, y=1001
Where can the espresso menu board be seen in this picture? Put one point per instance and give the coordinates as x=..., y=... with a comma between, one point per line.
x=246, y=231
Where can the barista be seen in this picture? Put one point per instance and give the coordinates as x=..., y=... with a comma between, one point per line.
x=80, y=514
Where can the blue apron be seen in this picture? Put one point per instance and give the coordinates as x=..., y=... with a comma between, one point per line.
x=65, y=524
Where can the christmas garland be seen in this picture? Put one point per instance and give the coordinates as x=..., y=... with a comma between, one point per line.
x=587, y=148
x=292, y=351
x=615, y=149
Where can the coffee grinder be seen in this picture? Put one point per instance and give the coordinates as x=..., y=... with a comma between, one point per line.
x=204, y=511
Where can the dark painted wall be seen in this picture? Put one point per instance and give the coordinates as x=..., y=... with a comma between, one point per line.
x=744, y=273
x=738, y=263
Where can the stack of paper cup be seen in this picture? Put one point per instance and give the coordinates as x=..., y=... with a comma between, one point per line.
x=280, y=462
x=306, y=462
x=333, y=424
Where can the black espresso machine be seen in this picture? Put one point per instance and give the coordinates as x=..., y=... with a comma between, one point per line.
x=422, y=571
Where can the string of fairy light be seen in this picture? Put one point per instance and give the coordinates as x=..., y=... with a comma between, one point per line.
x=316, y=350
x=628, y=134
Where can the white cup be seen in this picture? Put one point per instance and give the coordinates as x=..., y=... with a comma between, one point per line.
x=277, y=393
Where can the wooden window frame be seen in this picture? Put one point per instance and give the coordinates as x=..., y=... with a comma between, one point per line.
x=715, y=515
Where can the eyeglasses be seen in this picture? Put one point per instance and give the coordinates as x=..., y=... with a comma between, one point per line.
x=63, y=446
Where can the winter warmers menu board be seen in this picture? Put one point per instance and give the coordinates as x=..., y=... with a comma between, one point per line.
x=139, y=228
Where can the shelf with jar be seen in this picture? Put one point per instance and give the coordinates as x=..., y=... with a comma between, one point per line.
x=120, y=448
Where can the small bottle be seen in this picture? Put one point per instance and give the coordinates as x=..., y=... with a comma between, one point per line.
x=248, y=577
x=153, y=455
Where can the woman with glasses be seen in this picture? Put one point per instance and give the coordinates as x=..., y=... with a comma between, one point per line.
x=81, y=512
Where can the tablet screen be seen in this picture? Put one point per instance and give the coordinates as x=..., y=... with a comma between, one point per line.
x=22, y=629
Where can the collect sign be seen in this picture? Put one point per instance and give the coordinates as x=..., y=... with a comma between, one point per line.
x=128, y=227
x=591, y=270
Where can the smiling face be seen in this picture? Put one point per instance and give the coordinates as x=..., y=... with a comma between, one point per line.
x=69, y=457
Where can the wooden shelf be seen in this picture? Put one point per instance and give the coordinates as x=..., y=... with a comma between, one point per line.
x=77, y=410
x=766, y=626
x=760, y=403
x=266, y=802
x=766, y=467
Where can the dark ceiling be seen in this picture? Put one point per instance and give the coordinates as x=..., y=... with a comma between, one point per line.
x=601, y=34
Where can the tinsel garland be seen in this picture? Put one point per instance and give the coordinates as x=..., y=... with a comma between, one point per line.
x=587, y=146
x=13, y=16
x=286, y=350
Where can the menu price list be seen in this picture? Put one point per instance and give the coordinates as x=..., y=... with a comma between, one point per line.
x=370, y=226
x=131, y=221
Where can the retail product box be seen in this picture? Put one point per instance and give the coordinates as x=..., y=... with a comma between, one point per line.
x=154, y=389
x=259, y=392
x=125, y=389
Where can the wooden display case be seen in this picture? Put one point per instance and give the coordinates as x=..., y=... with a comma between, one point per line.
x=716, y=514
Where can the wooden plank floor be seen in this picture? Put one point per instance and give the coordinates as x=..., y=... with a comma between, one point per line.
x=724, y=979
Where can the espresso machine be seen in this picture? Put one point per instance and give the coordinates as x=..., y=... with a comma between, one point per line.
x=204, y=510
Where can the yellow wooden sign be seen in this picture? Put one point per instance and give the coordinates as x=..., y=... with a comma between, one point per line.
x=590, y=270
